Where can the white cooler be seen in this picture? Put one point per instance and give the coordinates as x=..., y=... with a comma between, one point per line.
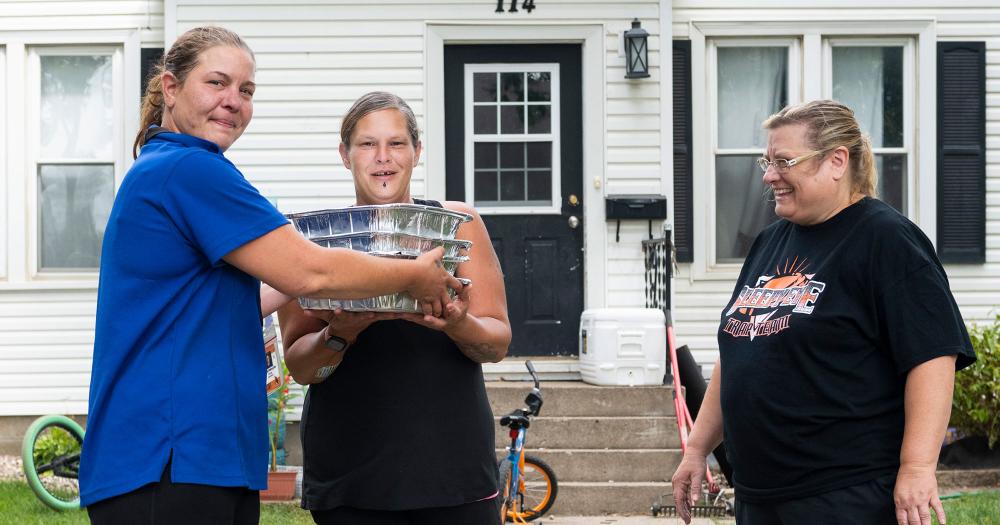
x=623, y=346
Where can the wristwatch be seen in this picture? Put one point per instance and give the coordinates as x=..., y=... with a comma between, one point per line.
x=332, y=342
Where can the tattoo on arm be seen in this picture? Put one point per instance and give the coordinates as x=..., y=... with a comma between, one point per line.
x=478, y=352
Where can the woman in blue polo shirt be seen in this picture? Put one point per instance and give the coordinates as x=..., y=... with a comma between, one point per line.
x=177, y=426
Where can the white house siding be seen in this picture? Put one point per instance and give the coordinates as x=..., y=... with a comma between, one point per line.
x=85, y=15
x=47, y=328
x=976, y=287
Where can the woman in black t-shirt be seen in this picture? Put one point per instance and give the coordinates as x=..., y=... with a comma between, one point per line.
x=838, y=347
x=402, y=431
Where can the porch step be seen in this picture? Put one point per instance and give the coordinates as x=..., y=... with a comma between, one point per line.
x=584, y=498
x=609, y=465
x=601, y=432
x=576, y=398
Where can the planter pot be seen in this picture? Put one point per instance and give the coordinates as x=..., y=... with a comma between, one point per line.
x=280, y=486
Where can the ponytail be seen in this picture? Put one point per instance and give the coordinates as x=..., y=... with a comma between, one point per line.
x=151, y=111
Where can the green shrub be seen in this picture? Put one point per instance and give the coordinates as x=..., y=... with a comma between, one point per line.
x=54, y=443
x=976, y=405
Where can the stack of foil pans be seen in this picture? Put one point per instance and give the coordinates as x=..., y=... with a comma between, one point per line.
x=387, y=230
x=414, y=219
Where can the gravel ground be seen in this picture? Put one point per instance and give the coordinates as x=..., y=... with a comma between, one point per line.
x=10, y=468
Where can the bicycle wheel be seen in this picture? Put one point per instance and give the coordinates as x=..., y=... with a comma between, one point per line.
x=536, y=491
x=50, y=454
x=504, y=487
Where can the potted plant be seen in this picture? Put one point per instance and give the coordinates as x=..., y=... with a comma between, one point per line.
x=975, y=410
x=280, y=483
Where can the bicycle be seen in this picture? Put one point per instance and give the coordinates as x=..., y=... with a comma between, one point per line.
x=528, y=491
x=50, y=455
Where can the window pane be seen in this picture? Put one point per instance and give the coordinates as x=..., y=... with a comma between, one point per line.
x=485, y=155
x=741, y=208
x=539, y=154
x=512, y=185
x=511, y=87
x=539, y=87
x=540, y=185
x=484, y=87
x=512, y=119
x=539, y=119
x=74, y=203
x=752, y=86
x=869, y=80
x=76, y=107
x=892, y=180
x=486, y=186
x=484, y=120
x=511, y=154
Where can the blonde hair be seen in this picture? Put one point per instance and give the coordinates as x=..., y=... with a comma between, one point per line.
x=830, y=125
x=372, y=102
x=180, y=60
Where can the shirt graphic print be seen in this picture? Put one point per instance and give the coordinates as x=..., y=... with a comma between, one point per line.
x=767, y=307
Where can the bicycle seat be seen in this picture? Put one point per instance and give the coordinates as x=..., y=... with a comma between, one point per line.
x=516, y=419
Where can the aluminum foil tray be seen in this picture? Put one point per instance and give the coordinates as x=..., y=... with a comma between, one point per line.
x=395, y=243
x=397, y=302
x=414, y=219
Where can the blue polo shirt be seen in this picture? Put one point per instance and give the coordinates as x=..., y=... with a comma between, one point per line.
x=178, y=353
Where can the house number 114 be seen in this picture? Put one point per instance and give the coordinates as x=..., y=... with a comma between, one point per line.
x=527, y=5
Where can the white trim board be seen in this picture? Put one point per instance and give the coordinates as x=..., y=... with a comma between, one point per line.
x=437, y=34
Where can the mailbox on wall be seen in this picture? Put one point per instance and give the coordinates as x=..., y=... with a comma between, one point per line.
x=641, y=206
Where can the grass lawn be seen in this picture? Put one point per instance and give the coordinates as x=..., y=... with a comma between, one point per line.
x=19, y=506
x=974, y=508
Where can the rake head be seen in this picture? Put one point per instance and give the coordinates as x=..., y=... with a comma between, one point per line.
x=697, y=511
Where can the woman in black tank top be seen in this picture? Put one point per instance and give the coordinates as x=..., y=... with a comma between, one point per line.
x=396, y=426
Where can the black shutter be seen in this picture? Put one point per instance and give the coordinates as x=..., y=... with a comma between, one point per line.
x=683, y=216
x=148, y=59
x=961, y=155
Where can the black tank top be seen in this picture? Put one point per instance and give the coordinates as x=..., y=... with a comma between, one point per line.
x=403, y=423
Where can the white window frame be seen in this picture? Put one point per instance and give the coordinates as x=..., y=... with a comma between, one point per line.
x=5, y=168
x=908, y=93
x=712, y=69
x=811, y=33
x=34, y=158
x=555, y=206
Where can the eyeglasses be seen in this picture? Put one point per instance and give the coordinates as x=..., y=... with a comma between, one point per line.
x=782, y=165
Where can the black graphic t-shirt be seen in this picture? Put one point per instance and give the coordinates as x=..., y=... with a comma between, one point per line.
x=816, y=341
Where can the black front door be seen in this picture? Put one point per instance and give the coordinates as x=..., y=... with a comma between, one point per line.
x=514, y=146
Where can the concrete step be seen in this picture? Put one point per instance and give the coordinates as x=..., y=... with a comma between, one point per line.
x=597, y=498
x=602, y=432
x=609, y=465
x=576, y=398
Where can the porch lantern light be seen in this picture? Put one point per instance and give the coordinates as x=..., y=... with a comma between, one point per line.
x=636, y=51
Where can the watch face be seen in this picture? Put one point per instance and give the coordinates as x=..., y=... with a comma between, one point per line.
x=335, y=343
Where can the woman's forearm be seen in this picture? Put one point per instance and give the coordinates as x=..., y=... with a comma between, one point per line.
x=307, y=355
x=481, y=339
x=927, y=404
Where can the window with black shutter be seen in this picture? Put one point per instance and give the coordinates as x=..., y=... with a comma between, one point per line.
x=961, y=155
x=683, y=217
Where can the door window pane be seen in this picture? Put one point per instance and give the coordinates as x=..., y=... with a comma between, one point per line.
x=74, y=204
x=539, y=87
x=512, y=119
x=742, y=208
x=869, y=80
x=512, y=185
x=484, y=87
x=753, y=85
x=511, y=87
x=76, y=107
x=484, y=120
